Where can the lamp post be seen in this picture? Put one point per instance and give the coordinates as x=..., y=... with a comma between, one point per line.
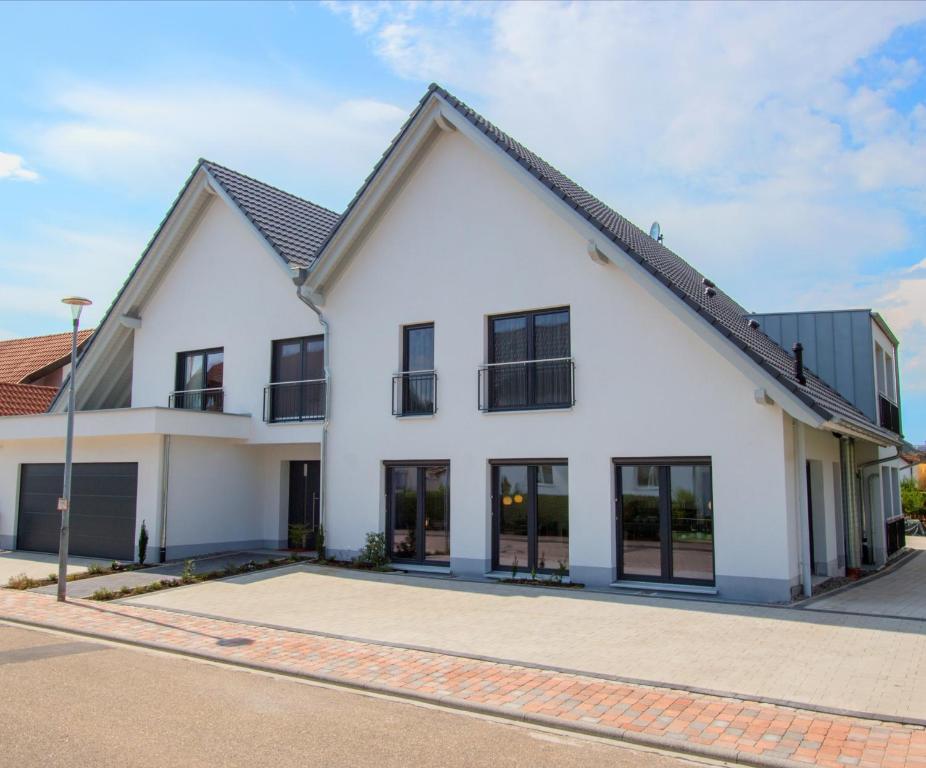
x=76, y=303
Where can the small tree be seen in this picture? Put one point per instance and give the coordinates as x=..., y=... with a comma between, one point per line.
x=374, y=551
x=142, y=543
x=912, y=499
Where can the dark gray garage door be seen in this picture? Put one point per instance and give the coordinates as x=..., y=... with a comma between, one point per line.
x=102, y=509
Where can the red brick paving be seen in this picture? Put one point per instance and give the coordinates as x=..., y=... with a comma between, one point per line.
x=726, y=728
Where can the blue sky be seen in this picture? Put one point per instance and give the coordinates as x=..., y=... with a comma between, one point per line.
x=781, y=146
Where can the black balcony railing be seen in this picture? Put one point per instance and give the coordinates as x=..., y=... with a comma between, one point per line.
x=890, y=414
x=212, y=399
x=414, y=393
x=896, y=535
x=291, y=401
x=527, y=385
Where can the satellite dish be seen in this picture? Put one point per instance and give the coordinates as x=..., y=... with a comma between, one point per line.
x=655, y=232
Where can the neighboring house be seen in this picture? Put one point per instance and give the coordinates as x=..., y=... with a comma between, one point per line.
x=566, y=393
x=32, y=369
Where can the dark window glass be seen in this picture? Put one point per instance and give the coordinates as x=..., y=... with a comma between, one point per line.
x=666, y=518
x=404, y=499
x=437, y=514
x=297, y=372
x=199, y=380
x=418, y=527
x=692, y=522
x=532, y=510
x=553, y=517
x=642, y=548
x=513, y=504
x=418, y=355
x=527, y=366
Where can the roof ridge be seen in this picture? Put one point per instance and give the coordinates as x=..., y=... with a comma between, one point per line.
x=45, y=335
x=206, y=162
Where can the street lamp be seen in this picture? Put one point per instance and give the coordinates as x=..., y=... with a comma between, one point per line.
x=76, y=303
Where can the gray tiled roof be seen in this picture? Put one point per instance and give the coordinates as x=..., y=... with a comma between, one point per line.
x=721, y=311
x=294, y=227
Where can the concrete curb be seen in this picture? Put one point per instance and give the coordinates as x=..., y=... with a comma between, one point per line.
x=618, y=734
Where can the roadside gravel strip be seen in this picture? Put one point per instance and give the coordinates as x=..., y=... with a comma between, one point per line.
x=717, y=727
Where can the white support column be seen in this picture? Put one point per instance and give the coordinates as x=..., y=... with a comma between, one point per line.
x=803, y=513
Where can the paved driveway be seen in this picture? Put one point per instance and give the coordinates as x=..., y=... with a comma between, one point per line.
x=38, y=565
x=901, y=592
x=839, y=661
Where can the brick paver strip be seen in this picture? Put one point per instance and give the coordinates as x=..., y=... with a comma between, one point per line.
x=715, y=726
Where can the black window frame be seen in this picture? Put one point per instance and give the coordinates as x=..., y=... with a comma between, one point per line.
x=421, y=466
x=663, y=464
x=532, y=542
x=403, y=399
x=303, y=366
x=180, y=380
x=530, y=403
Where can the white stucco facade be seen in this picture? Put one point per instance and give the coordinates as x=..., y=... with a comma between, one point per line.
x=463, y=234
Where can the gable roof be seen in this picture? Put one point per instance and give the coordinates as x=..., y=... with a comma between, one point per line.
x=18, y=399
x=294, y=227
x=718, y=309
x=22, y=359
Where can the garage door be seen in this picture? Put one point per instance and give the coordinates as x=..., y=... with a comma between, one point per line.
x=102, y=509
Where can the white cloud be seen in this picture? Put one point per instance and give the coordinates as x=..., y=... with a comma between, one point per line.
x=12, y=167
x=766, y=138
x=139, y=138
x=53, y=262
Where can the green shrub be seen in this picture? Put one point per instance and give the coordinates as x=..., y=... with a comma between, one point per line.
x=142, y=543
x=912, y=499
x=374, y=550
x=189, y=572
x=96, y=569
x=320, y=543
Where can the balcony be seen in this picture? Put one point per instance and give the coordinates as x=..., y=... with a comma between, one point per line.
x=211, y=399
x=527, y=385
x=414, y=393
x=294, y=401
x=889, y=413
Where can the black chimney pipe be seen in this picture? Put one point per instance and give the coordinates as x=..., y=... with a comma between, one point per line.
x=798, y=350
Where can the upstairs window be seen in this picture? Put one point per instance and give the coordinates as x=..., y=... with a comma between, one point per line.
x=414, y=390
x=529, y=361
x=199, y=380
x=297, y=380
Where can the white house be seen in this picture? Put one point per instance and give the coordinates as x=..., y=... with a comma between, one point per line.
x=481, y=360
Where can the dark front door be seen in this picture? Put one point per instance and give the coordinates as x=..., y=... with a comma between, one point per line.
x=102, y=509
x=304, y=493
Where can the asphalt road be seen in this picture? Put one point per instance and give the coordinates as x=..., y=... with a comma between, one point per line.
x=66, y=701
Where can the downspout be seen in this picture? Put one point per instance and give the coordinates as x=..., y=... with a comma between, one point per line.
x=850, y=505
x=299, y=277
x=162, y=513
x=803, y=511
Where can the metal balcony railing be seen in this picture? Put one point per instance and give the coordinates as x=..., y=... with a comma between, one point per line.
x=527, y=385
x=890, y=414
x=210, y=399
x=414, y=393
x=291, y=401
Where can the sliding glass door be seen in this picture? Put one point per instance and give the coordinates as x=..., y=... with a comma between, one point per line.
x=418, y=512
x=665, y=520
x=531, y=517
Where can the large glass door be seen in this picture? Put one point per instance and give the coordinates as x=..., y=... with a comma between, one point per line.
x=297, y=371
x=418, y=513
x=665, y=521
x=531, y=517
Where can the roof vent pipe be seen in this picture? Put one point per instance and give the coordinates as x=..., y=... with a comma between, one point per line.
x=798, y=349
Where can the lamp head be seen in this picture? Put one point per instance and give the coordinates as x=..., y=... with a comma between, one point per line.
x=76, y=303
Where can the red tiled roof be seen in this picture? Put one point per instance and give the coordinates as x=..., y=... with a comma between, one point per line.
x=20, y=358
x=16, y=399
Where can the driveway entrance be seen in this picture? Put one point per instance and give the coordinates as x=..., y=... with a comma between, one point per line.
x=900, y=593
